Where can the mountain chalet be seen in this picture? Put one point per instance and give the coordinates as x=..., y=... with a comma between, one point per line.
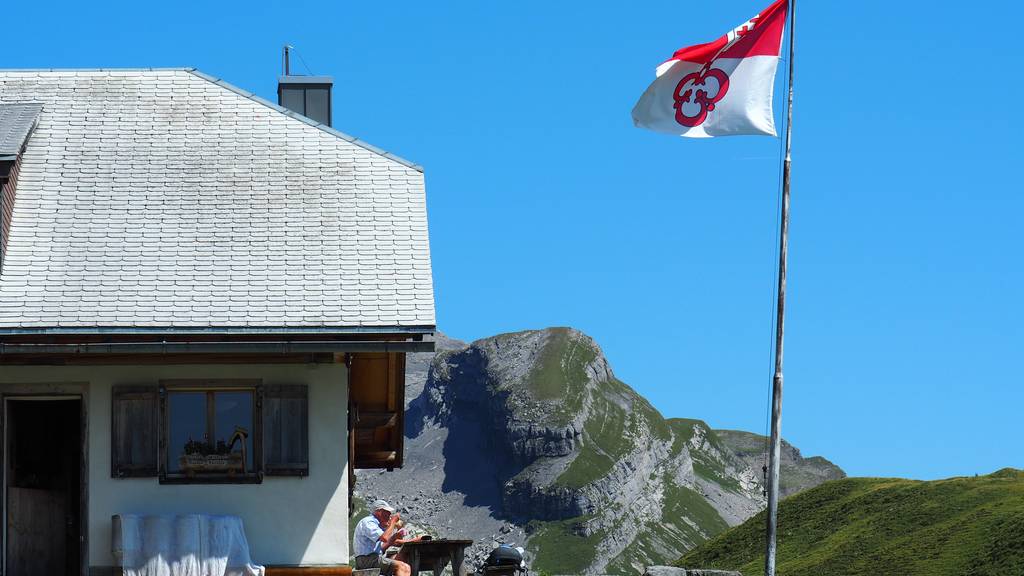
x=205, y=304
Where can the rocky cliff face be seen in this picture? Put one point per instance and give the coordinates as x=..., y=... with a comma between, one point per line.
x=797, y=473
x=530, y=438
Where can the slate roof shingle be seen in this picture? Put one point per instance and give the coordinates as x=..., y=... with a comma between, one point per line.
x=161, y=199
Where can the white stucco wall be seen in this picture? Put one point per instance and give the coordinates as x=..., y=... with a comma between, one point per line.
x=288, y=521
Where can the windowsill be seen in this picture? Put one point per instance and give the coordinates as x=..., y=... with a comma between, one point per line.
x=211, y=479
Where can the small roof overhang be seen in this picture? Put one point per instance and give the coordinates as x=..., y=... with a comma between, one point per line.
x=16, y=123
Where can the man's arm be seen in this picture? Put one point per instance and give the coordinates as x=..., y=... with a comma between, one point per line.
x=402, y=540
x=391, y=534
x=369, y=531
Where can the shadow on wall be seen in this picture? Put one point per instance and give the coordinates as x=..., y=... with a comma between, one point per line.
x=287, y=520
x=270, y=542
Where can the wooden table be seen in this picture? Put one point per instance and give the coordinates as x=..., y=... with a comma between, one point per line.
x=434, y=555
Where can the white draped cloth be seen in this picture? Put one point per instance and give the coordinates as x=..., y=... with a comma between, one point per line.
x=182, y=545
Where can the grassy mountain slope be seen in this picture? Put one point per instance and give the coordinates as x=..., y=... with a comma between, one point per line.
x=686, y=519
x=619, y=423
x=708, y=463
x=869, y=526
x=618, y=414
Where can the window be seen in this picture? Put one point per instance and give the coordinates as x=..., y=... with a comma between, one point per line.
x=318, y=105
x=211, y=431
x=311, y=100
x=294, y=99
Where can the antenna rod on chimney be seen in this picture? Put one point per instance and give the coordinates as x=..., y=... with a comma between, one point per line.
x=287, y=67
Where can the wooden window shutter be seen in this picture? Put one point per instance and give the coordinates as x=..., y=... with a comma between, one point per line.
x=377, y=409
x=133, y=431
x=286, y=430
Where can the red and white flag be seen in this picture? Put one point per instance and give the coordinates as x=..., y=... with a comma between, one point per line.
x=721, y=88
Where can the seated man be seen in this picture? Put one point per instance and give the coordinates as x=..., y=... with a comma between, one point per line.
x=374, y=535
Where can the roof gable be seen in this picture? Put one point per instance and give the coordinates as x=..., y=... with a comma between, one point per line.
x=167, y=198
x=304, y=119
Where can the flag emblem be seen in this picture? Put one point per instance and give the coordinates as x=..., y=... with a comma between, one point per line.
x=720, y=88
x=699, y=81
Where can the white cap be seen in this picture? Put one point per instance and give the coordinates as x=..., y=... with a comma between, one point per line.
x=382, y=505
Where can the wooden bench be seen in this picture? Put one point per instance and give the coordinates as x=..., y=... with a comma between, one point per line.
x=309, y=571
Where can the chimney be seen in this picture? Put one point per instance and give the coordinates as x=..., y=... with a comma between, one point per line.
x=306, y=95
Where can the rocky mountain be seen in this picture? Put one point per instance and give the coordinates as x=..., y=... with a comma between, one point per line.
x=530, y=438
x=868, y=526
x=797, y=473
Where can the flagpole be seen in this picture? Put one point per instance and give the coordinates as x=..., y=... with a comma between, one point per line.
x=776, y=434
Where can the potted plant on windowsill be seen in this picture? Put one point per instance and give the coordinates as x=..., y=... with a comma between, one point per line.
x=206, y=458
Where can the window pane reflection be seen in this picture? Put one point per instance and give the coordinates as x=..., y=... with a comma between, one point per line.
x=233, y=421
x=187, y=411
x=210, y=432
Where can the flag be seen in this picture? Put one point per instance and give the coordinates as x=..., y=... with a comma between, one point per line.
x=721, y=88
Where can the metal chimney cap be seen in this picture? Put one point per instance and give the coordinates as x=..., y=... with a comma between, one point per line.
x=293, y=79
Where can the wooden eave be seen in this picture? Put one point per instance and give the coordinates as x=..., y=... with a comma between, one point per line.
x=217, y=348
x=86, y=337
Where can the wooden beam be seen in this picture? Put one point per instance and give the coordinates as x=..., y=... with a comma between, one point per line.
x=152, y=359
x=398, y=433
x=135, y=337
x=371, y=420
x=376, y=459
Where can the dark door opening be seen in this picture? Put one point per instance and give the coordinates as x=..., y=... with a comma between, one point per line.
x=43, y=477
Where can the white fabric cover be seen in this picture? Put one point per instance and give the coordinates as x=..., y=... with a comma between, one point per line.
x=182, y=545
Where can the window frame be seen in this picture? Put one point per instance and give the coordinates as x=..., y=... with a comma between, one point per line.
x=167, y=387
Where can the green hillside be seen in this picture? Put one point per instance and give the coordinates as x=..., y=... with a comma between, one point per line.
x=872, y=526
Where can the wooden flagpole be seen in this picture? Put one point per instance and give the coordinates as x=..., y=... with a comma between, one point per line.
x=776, y=437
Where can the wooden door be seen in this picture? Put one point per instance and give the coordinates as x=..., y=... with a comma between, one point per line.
x=36, y=526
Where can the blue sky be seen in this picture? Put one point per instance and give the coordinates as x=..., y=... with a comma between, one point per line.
x=904, y=334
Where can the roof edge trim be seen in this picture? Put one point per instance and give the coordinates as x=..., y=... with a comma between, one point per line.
x=215, y=347
x=240, y=92
x=128, y=69
x=423, y=329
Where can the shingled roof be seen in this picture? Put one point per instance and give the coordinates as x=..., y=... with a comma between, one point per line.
x=165, y=199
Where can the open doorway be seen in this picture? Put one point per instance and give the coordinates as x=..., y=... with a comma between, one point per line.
x=43, y=486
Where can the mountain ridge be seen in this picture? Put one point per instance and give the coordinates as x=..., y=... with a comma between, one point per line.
x=796, y=473
x=529, y=437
